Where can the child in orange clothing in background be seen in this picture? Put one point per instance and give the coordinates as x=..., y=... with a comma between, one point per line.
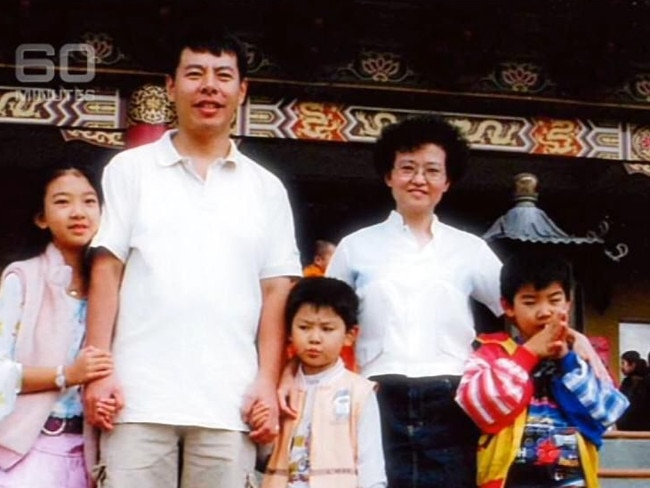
x=323, y=251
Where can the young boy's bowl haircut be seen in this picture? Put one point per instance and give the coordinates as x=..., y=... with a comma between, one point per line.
x=321, y=292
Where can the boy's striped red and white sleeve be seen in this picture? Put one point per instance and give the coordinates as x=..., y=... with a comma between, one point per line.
x=496, y=387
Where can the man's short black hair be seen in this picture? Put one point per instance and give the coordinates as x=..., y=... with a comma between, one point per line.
x=414, y=132
x=321, y=292
x=201, y=38
x=537, y=268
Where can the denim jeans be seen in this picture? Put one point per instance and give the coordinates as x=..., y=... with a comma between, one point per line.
x=428, y=440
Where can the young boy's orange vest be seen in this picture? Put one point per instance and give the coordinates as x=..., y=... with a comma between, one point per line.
x=333, y=451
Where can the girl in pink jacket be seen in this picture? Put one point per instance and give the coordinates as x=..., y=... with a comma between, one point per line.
x=42, y=328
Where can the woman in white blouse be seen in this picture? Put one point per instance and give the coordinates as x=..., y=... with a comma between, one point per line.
x=415, y=275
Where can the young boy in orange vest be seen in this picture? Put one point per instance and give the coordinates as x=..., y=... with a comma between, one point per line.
x=335, y=440
x=540, y=406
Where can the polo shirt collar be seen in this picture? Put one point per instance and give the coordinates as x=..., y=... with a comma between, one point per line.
x=168, y=155
x=396, y=221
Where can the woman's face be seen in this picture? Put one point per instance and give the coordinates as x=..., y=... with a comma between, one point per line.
x=418, y=180
x=626, y=367
x=70, y=211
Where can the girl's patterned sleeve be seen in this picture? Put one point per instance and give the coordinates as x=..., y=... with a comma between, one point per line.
x=496, y=387
x=11, y=298
x=601, y=399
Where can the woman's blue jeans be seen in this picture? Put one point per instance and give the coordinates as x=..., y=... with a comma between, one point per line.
x=428, y=440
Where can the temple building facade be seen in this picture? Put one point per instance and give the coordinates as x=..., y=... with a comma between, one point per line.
x=531, y=87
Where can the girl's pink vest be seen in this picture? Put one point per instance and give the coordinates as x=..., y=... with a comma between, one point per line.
x=43, y=340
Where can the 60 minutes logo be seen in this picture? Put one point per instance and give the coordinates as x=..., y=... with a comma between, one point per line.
x=34, y=63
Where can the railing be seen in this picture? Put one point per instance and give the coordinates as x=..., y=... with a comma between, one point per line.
x=625, y=460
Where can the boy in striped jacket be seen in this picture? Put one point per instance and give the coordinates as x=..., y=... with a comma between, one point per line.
x=541, y=408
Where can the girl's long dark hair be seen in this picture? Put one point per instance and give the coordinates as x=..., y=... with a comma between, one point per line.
x=36, y=240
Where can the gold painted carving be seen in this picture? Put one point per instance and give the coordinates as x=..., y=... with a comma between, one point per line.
x=371, y=123
x=318, y=121
x=557, y=137
x=15, y=104
x=149, y=104
x=489, y=131
x=109, y=139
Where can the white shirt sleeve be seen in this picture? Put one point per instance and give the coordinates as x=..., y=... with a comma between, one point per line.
x=486, y=277
x=370, y=464
x=11, y=372
x=282, y=258
x=339, y=267
x=118, y=186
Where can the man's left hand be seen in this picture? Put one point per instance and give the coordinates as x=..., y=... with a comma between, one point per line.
x=262, y=392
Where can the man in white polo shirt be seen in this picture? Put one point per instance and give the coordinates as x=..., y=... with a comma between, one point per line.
x=191, y=270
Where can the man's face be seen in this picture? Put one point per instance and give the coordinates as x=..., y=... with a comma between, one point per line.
x=207, y=91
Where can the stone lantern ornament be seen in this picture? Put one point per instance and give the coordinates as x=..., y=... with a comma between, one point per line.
x=527, y=226
x=525, y=222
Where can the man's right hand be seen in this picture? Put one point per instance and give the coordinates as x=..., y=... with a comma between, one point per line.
x=98, y=391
